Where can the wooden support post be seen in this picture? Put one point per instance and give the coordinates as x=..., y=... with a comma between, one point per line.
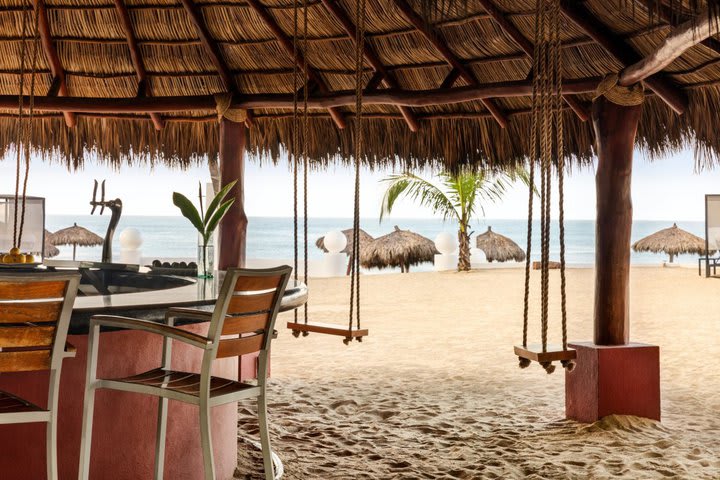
x=233, y=228
x=615, y=128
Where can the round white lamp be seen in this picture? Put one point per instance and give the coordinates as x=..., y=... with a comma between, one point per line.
x=335, y=241
x=130, y=243
x=446, y=244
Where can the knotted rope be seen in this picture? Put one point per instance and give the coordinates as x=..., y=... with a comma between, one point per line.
x=618, y=94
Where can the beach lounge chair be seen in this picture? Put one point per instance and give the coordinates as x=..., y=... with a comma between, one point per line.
x=242, y=323
x=35, y=314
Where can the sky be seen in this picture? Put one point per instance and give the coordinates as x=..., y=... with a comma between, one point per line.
x=666, y=189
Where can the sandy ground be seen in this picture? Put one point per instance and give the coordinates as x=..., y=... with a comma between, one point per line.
x=435, y=391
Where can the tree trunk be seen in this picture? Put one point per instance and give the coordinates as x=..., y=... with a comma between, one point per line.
x=464, y=251
x=615, y=128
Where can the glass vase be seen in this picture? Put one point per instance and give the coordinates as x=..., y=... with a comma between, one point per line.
x=206, y=260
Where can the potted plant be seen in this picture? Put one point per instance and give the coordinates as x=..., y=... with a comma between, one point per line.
x=205, y=221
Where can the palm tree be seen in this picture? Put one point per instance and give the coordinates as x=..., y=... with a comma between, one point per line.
x=459, y=196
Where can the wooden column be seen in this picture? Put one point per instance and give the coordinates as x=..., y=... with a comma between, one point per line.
x=233, y=228
x=615, y=128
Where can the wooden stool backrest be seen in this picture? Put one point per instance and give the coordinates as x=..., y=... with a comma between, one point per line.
x=246, y=310
x=35, y=312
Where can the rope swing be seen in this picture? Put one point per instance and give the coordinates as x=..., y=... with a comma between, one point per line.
x=353, y=330
x=546, y=147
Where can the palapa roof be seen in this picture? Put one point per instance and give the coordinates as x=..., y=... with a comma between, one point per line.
x=50, y=249
x=75, y=235
x=499, y=248
x=204, y=47
x=673, y=241
x=364, y=238
x=399, y=248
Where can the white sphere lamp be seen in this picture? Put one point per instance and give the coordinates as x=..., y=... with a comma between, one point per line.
x=445, y=243
x=335, y=241
x=130, y=239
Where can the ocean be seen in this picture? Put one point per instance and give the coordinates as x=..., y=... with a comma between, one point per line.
x=272, y=238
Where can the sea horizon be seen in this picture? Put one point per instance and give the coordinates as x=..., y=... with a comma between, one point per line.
x=271, y=237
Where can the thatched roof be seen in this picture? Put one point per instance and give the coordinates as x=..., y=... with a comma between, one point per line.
x=499, y=248
x=364, y=238
x=465, y=44
x=75, y=235
x=50, y=249
x=672, y=241
x=400, y=248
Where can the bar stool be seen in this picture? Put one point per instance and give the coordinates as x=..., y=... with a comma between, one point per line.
x=35, y=312
x=241, y=323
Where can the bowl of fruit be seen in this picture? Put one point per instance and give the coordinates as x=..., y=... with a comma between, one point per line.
x=15, y=258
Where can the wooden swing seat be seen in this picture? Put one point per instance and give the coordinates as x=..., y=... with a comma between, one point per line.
x=328, y=329
x=553, y=353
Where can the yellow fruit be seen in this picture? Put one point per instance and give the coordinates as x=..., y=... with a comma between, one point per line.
x=15, y=251
x=29, y=258
x=18, y=258
x=5, y=258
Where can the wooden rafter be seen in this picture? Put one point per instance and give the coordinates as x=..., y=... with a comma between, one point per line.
x=623, y=52
x=213, y=50
x=337, y=11
x=448, y=55
x=409, y=98
x=528, y=47
x=59, y=86
x=144, y=87
x=299, y=59
x=680, y=39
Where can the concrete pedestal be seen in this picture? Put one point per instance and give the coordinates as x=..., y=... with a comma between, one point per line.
x=445, y=262
x=613, y=380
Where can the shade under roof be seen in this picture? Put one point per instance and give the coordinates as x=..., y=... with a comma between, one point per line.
x=95, y=56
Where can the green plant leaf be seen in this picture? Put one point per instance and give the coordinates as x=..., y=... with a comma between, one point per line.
x=189, y=211
x=219, y=214
x=216, y=201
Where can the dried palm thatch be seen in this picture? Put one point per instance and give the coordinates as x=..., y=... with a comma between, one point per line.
x=75, y=236
x=50, y=249
x=499, y=248
x=364, y=239
x=96, y=61
x=673, y=241
x=400, y=248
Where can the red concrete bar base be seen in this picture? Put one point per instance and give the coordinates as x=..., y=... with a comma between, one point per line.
x=613, y=380
x=125, y=423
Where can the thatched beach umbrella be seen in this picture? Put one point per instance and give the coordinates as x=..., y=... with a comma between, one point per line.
x=401, y=248
x=672, y=241
x=75, y=236
x=50, y=249
x=499, y=248
x=364, y=238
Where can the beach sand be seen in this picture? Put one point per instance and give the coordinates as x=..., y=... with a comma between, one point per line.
x=435, y=391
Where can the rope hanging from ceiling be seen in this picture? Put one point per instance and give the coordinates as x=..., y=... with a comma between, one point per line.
x=300, y=156
x=547, y=150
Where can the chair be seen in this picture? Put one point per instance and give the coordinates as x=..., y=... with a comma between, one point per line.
x=241, y=323
x=35, y=314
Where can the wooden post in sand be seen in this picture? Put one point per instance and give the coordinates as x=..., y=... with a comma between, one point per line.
x=233, y=227
x=615, y=128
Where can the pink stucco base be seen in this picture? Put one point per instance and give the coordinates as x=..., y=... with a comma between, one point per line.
x=124, y=427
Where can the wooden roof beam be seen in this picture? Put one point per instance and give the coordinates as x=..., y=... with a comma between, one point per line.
x=678, y=41
x=299, y=59
x=528, y=47
x=448, y=55
x=624, y=53
x=409, y=98
x=666, y=15
x=337, y=11
x=213, y=50
x=51, y=55
x=144, y=87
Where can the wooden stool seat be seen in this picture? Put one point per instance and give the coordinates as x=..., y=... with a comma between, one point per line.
x=553, y=353
x=169, y=383
x=328, y=329
x=9, y=403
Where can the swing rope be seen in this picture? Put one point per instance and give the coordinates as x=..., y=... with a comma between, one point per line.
x=24, y=132
x=305, y=159
x=294, y=148
x=546, y=144
x=354, y=313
